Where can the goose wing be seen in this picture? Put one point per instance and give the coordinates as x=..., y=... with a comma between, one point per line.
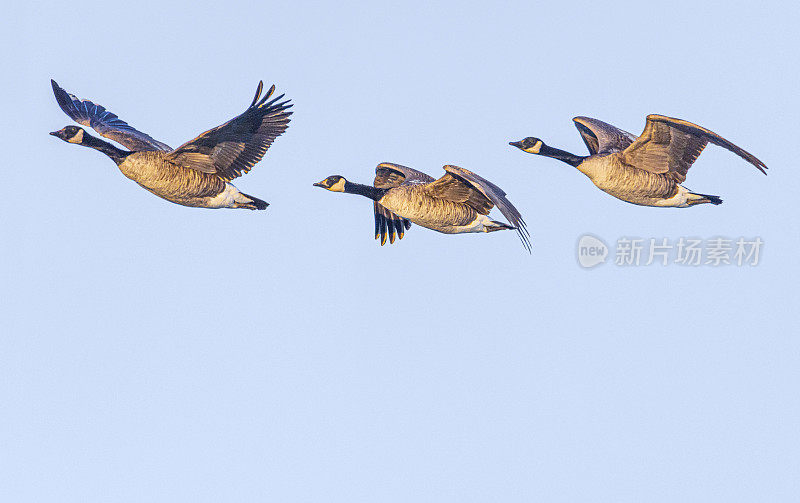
x=387, y=176
x=464, y=186
x=232, y=149
x=601, y=137
x=387, y=224
x=107, y=124
x=670, y=145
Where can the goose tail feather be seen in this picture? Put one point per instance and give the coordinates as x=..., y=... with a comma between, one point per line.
x=254, y=203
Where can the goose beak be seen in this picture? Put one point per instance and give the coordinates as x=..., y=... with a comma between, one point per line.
x=318, y=184
x=54, y=133
x=517, y=144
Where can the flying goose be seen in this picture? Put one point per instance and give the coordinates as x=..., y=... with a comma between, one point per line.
x=457, y=202
x=198, y=173
x=647, y=170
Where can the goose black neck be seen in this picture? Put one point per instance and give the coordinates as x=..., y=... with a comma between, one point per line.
x=561, y=155
x=369, y=191
x=116, y=154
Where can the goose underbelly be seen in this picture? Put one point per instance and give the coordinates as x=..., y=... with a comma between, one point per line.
x=229, y=197
x=480, y=224
x=641, y=198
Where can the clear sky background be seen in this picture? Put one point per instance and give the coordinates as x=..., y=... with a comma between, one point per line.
x=152, y=352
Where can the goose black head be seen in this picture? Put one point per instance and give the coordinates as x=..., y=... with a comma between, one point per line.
x=70, y=134
x=530, y=145
x=334, y=183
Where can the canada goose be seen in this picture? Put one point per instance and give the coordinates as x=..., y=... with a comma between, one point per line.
x=198, y=173
x=647, y=170
x=457, y=202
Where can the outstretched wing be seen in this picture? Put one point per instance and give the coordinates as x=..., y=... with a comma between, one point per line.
x=232, y=149
x=601, y=137
x=107, y=124
x=462, y=185
x=387, y=176
x=670, y=145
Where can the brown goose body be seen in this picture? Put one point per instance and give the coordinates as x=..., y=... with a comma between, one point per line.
x=175, y=183
x=635, y=186
x=413, y=203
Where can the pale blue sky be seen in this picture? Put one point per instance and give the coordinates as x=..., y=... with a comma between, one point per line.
x=153, y=352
